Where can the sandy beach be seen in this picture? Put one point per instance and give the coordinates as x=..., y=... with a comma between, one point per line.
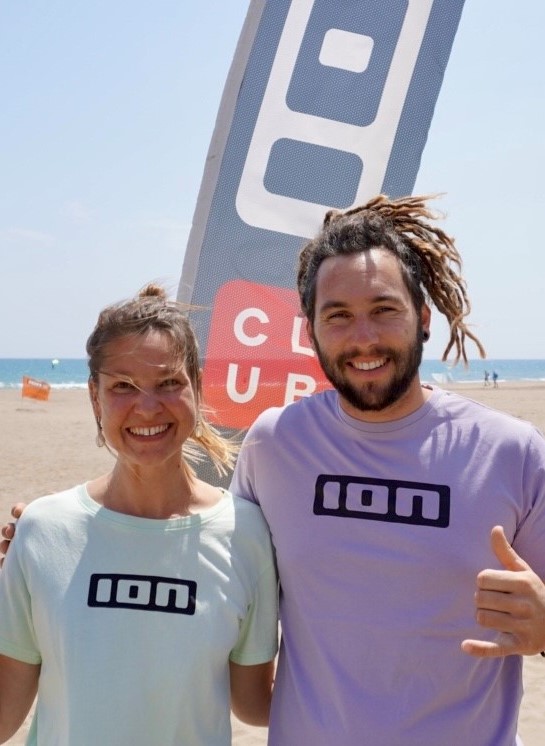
x=49, y=446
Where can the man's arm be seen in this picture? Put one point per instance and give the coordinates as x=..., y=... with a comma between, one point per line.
x=8, y=530
x=18, y=687
x=511, y=601
x=251, y=691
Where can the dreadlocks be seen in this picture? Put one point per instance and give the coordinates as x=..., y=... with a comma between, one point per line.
x=429, y=260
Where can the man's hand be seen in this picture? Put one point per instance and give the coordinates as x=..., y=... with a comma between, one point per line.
x=8, y=529
x=511, y=601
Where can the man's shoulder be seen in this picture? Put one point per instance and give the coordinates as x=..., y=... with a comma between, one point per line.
x=297, y=411
x=461, y=407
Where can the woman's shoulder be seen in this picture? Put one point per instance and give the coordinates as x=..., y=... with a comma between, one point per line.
x=50, y=507
x=247, y=516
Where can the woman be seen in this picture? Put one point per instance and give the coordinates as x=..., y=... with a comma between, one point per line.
x=141, y=604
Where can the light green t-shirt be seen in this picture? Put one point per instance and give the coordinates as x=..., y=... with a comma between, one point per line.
x=134, y=620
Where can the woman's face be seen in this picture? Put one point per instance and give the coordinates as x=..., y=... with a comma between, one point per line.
x=144, y=400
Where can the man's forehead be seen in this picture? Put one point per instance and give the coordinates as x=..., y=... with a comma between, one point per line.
x=373, y=266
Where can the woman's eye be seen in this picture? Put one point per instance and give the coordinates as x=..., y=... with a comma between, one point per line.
x=170, y=384
x=123, y=386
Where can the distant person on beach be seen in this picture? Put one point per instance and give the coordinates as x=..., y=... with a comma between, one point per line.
x=141, y=605
x=495, y=379
x=486, y=378
x=408, y=521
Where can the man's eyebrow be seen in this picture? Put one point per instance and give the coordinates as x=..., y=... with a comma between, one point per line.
x=332, y=304
x=383, y=297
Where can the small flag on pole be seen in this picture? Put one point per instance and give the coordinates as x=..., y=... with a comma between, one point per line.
x=34, y=389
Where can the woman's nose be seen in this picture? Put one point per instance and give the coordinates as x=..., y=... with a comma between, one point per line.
x=147, y=402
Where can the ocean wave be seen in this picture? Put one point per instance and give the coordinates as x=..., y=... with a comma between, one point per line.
x=65, y=385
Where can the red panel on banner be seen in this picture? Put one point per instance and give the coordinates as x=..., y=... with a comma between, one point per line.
x=258, y=353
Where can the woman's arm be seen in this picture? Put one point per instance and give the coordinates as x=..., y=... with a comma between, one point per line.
x=18, y=687
x=251, y=691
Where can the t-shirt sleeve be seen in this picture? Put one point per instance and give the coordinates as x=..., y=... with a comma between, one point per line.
x=17, y=637
x=258, y=638
x=243, y=482
x=530, y=538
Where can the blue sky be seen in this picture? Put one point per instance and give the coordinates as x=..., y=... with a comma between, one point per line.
x=107, y=112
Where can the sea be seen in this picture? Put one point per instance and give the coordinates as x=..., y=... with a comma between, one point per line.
x=72, y=373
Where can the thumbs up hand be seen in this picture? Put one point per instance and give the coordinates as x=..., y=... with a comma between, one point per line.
x=511, y=601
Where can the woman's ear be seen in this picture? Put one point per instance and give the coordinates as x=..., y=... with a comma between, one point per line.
x=198, y=392
x=93, y=395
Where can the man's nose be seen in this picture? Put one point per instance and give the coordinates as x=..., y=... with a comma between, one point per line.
x=364, y=330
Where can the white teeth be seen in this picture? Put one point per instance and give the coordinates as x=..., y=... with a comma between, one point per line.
x=148, y=430
x=370, y=366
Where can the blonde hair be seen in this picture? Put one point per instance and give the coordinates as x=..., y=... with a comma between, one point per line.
x=429, y=261
x=152, y=310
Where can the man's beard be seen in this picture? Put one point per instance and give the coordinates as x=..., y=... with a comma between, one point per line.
x=375, y=396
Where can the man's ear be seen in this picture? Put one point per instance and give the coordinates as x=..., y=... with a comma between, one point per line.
x=425, y=318
x=310, y=334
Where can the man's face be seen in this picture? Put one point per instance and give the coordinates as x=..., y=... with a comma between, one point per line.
x=368, y=335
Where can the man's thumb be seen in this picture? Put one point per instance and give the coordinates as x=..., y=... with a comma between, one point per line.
x=505, y=552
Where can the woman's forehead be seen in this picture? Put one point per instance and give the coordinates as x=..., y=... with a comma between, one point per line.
x=154, y=350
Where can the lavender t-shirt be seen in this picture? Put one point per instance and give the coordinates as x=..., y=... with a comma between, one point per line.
x=380, y=531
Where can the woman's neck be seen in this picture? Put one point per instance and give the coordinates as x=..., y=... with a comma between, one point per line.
x=159, y=493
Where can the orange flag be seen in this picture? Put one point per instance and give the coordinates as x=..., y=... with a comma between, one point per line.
x=35, y=389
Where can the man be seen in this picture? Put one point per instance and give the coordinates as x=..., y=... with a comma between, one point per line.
x=385, y=499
